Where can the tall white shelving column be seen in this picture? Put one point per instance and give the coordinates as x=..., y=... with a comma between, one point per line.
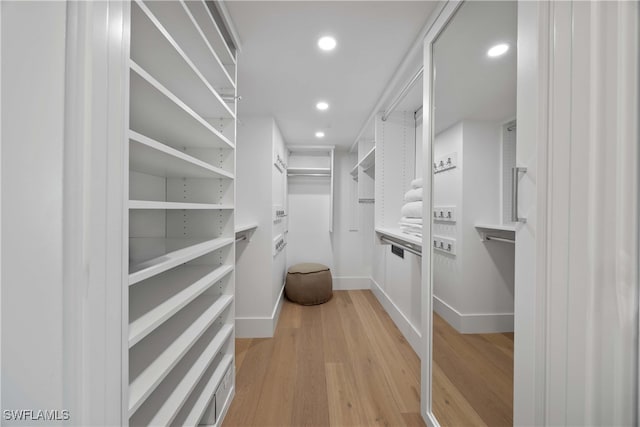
x=181, y=150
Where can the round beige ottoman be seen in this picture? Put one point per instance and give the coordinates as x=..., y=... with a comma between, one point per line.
x=308, y=284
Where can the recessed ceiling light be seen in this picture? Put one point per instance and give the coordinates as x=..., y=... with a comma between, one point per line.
x=498, y=50
x=327, y=43
x=322, y=106
x=319, y=134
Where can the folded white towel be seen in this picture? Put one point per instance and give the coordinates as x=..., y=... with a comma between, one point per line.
x=406, y=220
x=412, y=210
x=413, y=195
x=417, y=227
x=416, y=183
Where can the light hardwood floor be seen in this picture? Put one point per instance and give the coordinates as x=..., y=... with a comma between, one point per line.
x=345, y=363
x=342, y=363
x=472, y=377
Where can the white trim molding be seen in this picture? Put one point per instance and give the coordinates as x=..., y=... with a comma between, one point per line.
x=408, y=329
x=351, y=283
x=474, y=323
x=260, y=327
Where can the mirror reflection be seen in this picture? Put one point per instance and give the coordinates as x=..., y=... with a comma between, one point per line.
x=474, y=147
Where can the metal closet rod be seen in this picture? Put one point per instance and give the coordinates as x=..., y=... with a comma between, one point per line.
x=499, y=239
x=402, y=94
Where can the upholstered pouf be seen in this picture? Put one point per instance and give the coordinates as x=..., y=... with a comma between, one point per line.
x=309, y=284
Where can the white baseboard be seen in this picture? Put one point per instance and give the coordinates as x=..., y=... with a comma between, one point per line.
x=260, y=327
x=346, y=283
x=410, y=332
x=481, y=323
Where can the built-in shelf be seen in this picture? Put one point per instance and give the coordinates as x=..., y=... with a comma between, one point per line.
x=211, y=31
x=309, y=171
x=160, y=297
x=149, y=378
x=191, y=249
x=354, y=172
x=399, y=235
x=160, y=115
x=154, y=158
x=498, y=232
x=203, y=400
x=369, y=160
x=245, y=228
x=151, y=204
x=153, y=48
x=499, y=227
x=178, y=19
x=181, y=382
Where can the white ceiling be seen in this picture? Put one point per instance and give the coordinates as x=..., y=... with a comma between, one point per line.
x=469, y=84
x=282, y=72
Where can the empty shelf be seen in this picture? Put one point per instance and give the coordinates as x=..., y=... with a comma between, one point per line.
x=195, y=248
x=175, y=390
x=399, y=235
x=309, y=171
x=247, y=227
x=154, y=158
x=151, y=204
x=499, y=227
x=368, y=160
x=147, y=381
x=152, y=303
x=354, y=172
x=204, y=399
x=212, y=32
x=177, y=18
x=155, y=50
x=160, y=115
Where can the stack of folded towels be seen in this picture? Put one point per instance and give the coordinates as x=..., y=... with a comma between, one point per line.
x=411, y=221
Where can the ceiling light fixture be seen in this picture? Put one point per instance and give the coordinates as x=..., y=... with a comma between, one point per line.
x=327, y=43
x=322, y=105
x=498, y=50
x=319, y=134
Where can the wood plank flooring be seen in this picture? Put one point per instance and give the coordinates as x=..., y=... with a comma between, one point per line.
x=345, y=363
x=473, y=377
x=342, y=363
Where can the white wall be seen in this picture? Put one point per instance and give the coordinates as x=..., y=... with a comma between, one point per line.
x=395, y=165
x=309, y=239
x=447, y=191
x=33, y=105
x=279, y=198
x=473, y=289
x=253, y=205
x=260, y=187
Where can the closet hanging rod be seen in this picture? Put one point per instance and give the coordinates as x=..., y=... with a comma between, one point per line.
x=241, y=238
x=402, y=245
x=309, y=174
x=402, y=94
x=500, y=239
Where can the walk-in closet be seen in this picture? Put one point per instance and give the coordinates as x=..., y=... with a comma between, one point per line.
x=330, y=213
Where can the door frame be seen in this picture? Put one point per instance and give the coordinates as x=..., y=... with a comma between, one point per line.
x=530, y=303
x=559, y=366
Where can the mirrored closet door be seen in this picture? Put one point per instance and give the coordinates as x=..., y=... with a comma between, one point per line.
x=473, y=139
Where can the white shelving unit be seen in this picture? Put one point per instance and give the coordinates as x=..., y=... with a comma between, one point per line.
x=308, y=171
x=313, y=161
x=364, y=171
x=181, y=148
